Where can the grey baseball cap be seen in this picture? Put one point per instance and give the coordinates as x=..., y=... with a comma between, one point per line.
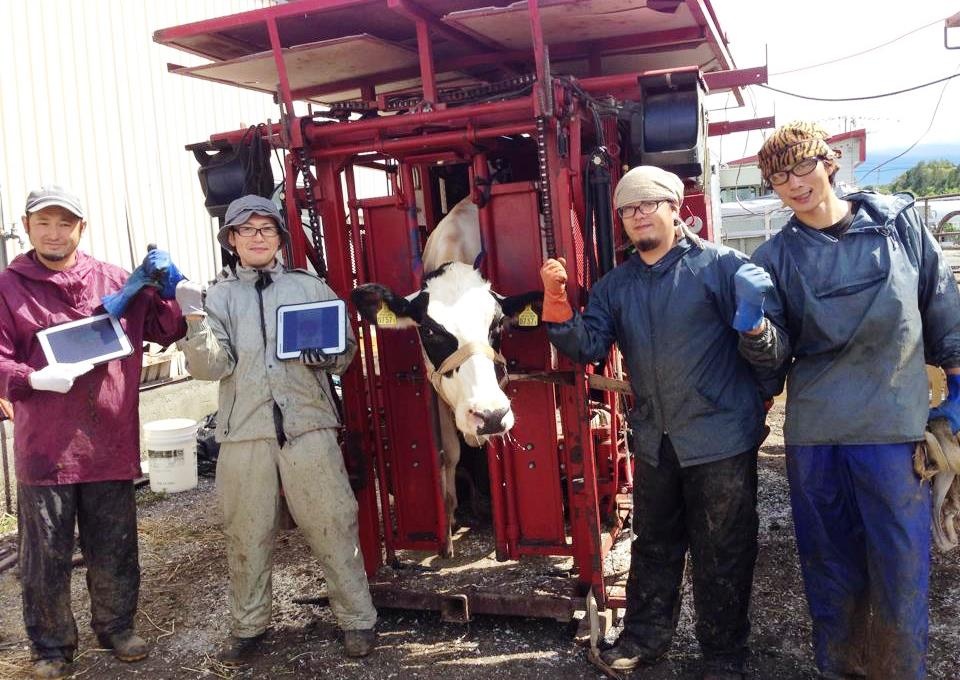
x=240, y=210
x=50, y=195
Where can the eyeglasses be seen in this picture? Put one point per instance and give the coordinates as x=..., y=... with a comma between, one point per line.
x=799, y=169
x=642, y=208
x=247, y=231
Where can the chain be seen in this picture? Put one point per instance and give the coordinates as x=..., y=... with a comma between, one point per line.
x=546, y=203
x=466, y=95
x=312, y=216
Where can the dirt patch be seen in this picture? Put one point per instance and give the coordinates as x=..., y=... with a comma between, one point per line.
x=183, y=611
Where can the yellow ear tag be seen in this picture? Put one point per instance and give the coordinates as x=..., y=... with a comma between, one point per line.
x=385, y=317
x=528, y=317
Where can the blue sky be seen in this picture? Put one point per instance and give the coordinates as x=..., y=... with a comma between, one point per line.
x=793, y=35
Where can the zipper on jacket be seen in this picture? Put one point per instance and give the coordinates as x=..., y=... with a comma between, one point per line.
x=653, y=349
x=264, y=280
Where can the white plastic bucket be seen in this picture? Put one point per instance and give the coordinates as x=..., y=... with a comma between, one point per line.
x=171, y=447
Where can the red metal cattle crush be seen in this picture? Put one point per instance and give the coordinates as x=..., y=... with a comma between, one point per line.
x=433, y=93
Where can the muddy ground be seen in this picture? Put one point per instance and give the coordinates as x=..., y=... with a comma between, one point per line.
x=183, y=612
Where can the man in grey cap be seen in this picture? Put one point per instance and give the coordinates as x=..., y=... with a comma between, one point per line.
x=697, y=421
x=77, y=439
x=277, y=425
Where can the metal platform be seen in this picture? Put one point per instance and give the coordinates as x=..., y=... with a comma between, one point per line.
x=475, y=583
x=355, y=50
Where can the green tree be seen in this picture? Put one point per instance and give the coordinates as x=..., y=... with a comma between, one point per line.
x=928, y=178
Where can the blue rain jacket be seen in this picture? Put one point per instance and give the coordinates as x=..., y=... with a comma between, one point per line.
x=671, y=321
x=853, y=322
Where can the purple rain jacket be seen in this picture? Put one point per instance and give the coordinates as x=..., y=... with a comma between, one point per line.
x=91, y=433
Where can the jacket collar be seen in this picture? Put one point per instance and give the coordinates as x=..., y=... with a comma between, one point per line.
x=28, y=266
x=665, y=263
x=874, y=212
x=251, y=274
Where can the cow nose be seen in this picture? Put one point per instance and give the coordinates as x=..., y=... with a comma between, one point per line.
x=492, y=420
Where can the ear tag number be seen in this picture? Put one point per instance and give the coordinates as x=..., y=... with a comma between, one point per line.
x=528, y=317
x=385, y=317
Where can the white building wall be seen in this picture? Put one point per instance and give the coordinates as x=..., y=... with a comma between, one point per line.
x=86, y=101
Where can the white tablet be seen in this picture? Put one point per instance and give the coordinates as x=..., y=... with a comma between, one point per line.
x=311, y=325
x=96, y=339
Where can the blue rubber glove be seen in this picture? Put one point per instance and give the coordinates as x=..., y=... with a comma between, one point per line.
x=159, y=267
x=950, y=408
x=751, y=284
x=116, y=303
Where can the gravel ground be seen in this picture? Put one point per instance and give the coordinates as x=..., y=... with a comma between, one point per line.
x=183, y=612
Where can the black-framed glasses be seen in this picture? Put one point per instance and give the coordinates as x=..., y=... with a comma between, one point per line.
x=247, y=231
x=641, y=208
x=798, y=169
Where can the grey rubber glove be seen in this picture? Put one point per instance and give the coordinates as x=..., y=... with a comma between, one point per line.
x=58, y=377
x=317, y=358
x=190, y=298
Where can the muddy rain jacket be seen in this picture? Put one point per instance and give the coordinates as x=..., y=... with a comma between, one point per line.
x=237, y=344
x=671, y=321
x=853, y=321
x=91, y=433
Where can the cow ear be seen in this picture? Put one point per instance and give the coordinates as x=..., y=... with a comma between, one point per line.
x=514, y=306
x=371, y=298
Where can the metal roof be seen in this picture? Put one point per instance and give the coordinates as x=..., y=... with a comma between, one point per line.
x=336, y=49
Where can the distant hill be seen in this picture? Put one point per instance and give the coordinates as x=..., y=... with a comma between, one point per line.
x=889, y=172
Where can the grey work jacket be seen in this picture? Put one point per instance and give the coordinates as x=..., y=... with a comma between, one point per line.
x=230, y=346
x=671, y=321
x=853, y=321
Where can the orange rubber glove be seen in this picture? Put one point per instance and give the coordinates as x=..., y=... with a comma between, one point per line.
x=556, y=307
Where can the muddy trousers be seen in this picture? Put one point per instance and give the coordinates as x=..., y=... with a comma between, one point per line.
x=710, y=509
x=106, y=515
x=318, y=494
x=862, y=519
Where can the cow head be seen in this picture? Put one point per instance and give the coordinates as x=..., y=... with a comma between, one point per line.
x=459, y=320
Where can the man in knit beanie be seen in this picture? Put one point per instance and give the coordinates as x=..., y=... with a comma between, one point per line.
x=674, y=308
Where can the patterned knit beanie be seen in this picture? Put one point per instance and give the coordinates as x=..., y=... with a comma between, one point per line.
x=792, y=143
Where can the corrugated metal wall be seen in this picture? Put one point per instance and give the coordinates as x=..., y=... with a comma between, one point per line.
x=86, y=101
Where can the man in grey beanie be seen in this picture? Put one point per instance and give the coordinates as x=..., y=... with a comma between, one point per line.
x=277, y=424
x=673, y=309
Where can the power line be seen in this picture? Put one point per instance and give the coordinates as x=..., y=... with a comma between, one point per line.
x=936, y=109
x=858, y=99
x=857, y=54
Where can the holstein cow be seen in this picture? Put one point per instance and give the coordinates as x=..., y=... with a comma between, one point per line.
x=459, y=320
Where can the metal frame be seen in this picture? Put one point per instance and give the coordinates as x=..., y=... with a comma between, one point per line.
x=592, y=461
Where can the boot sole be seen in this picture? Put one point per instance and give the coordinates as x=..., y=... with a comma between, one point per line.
x=131, y=658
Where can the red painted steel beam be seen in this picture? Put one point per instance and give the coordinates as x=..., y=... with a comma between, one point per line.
x=726, y=127
x=704, y=15
x=722, y=80
x=626, y=85
x=296, y=136
x=414, y=120
x=420, y=142
x=415, y=12
x=539, y=55
x=428, y=74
